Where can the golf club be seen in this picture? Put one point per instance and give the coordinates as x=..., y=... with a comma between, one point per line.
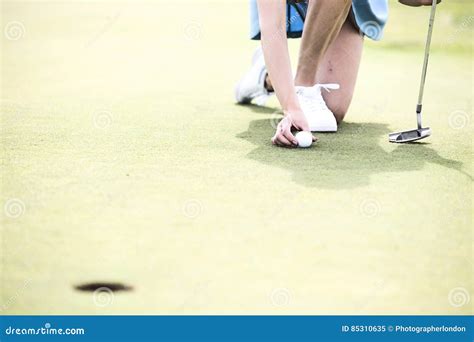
x=420, y=132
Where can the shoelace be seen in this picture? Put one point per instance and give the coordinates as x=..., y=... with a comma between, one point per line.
x=307, y=93
x=314, y=93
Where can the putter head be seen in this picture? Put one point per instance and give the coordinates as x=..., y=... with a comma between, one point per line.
x=409, y=136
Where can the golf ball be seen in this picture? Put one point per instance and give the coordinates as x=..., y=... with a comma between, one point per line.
x=305, y=139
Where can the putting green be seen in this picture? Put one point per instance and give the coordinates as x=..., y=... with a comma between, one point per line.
x=124, y=159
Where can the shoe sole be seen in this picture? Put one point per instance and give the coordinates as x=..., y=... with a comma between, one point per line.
x=237, y=93
x=324, y=130
x=256, y=55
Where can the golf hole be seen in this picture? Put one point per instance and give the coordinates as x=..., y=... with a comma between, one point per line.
x=91, y=287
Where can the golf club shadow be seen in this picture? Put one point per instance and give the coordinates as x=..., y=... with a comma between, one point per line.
x=344, y=160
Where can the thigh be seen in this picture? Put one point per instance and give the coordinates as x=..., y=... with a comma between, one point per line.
x=340, y=65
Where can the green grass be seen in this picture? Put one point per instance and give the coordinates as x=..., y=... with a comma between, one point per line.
x=407, y=27
x=121, y=139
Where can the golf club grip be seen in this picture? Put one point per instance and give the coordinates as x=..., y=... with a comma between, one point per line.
x=427, y=56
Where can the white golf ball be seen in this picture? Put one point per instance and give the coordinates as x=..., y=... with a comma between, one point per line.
x=305, y=139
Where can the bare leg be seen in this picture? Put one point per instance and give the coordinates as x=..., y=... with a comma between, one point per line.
x=341, y=65
x=324, y=20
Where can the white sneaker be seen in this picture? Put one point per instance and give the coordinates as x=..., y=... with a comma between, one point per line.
x=319, y=116
x=252, y=86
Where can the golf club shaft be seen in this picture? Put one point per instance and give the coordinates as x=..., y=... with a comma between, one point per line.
x=425, y=64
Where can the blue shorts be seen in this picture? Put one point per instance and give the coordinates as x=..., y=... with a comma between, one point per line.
x=370, y=16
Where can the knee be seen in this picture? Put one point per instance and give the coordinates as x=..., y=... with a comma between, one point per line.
x=340, y=110
x=339, y=114
x=339, y=105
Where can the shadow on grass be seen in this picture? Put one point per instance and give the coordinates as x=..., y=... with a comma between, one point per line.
x=260, y=109
x=344, y=160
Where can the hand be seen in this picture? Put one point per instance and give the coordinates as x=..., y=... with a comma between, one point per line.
x=416, y=3
x=283, y=136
